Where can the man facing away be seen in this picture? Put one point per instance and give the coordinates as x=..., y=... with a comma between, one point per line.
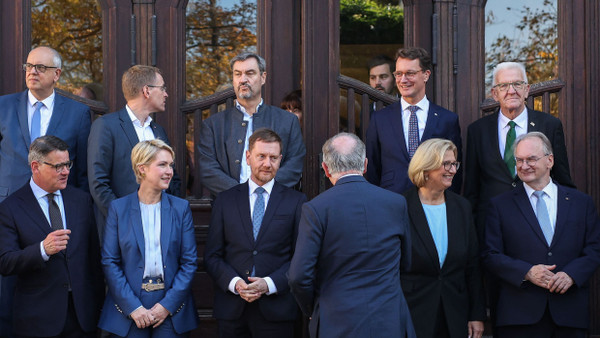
x=396, y=131
x=352, y=241
x=224, y=136
x=250, y=243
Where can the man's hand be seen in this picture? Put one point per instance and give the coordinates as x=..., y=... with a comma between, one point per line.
x=560, y=282
x=160, y=314
x=253, y=291
x=540, y=275
x=56, y=241
x=475, y=329
x=142, y=317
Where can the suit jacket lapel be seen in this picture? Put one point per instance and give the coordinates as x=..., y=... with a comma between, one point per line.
x=524, y=205
x=494, y=145
x=273, y=204
x=419, y=221
x=23, y=120
x=454, y=223
x=398, y=131
x=562, y=213
x=34, y=211
x=57, y=114
x=136, y=223
x=243, y=205
x=166, y=226
x=533, y=123
x=431, y=124
x=128, y=129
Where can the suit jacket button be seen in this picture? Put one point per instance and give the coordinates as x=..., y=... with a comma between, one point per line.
x=240, y=141
x=237, y=161
x=247, y=272
x=549, y=253
x=254, y=252
x=243, y=124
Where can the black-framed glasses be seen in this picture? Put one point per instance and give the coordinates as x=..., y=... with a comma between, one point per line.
x=447, y=165
x=531, y=161
x=39, y=67
x=517, y=85
x=60, y=166
x=409, y=75
x=163, y=88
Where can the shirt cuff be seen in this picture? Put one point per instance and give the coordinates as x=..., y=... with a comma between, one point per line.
x=232, y=285
x=44, y=255
x=271, y=285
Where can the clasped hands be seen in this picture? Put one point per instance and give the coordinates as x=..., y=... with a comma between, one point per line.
x=254, y=290
x=144, y=318
x=542, y=276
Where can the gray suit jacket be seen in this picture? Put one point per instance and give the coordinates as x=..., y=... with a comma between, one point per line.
x=221, y=148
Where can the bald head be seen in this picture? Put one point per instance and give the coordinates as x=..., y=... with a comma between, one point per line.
x=344, y=154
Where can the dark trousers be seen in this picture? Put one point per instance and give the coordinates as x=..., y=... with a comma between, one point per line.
x=545, y=328
x=7, y=288
x=252, y=324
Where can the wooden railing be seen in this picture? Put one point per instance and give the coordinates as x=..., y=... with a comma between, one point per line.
x=543, y=96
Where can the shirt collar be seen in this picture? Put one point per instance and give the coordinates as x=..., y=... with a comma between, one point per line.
x=423, y=104
x=134, y=118
x=243, y=110
x=520, y=121
x=39, y=192
x=550, y=189
x=47, y=101
x=267, y=186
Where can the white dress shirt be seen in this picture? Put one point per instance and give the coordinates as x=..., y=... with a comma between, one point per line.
x=151, y=224
x=144, y=131
x=503, y=128
x=421, y=116
x=40, y=196
x=45, y=111
x=550, y=198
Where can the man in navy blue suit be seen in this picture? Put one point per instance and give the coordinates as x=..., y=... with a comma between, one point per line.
x=542, y=241
x=250, y=244
x=27, y=115
x=396, y=131
x=49, y=241
x=353, y=239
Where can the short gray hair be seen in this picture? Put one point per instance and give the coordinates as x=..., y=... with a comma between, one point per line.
x=262, y=64
x=509, y=65
x=341, y=158
x=547, y=146
x=44, y=145
x=56, y=59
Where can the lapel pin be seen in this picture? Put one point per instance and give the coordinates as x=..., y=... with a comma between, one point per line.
x=567, y=198
x=435, y=114
x=532, y=124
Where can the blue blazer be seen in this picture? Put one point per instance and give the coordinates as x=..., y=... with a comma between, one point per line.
x=70, y=122
x=41, y=295
x=231, y=250
x=514, y=242
x=123, y=261
x=110, y=143
x=386, y=145
x=352, y=241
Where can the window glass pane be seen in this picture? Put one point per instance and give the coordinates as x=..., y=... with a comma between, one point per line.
x=74, y=29
x=522, y=31
x=216, y=31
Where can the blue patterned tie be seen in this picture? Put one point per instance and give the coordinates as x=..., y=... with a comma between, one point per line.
x=543, y=216
x=413, y=131
x=36, y=121
x=259, y=210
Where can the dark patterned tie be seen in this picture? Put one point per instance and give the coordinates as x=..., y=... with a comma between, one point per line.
x=54, y=213
x=509, y=156
x=413, y=131
x=259, y=210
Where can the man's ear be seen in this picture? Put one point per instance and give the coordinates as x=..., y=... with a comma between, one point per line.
x=326, y=169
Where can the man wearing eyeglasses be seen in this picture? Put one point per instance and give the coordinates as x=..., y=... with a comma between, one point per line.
x=49, y=243
x=396, y=131
x=114, y=135
x=24, y=116
x=542, y=244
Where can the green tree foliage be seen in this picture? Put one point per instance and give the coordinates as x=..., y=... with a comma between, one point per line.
x=214, y=36
x=368, y=22
x=74, y=29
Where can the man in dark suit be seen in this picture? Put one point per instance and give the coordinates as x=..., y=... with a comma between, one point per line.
x=224, y=136
x=542, y=241
x=49, y=241
x=25, y=116
x=250, y=244
x=396, y=131
x=352, y=241
x=489, y=162
x=114, y=135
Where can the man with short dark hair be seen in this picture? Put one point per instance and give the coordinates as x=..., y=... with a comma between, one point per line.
x=224, y=136
x=250, y=243
x=542, y=243
x=381, y=74
x=49, y=241
x=396, y=131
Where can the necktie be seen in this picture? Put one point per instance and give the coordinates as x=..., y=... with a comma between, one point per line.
x=543, y=216
x=413, y=131
x=36, y=121
x=259, y=210
x=509, y=156
x=54, y=213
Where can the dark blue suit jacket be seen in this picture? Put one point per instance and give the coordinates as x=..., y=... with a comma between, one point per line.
x=231, y=250
x=386, y=145
x=514, y=242
x=70, y=122
x=110, y=174
x=41, y=296
x=123, y=255
x=352, y=241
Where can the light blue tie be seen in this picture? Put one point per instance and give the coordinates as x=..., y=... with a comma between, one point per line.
x=36, y=121
x=259, y=210
x=543, y=216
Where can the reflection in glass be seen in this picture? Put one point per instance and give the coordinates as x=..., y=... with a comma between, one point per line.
x=216, y=30
x=74, y=29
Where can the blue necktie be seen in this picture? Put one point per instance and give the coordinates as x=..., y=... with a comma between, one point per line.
x=413, y=131
x=36, y=121
x=259, y=210
x=543, y=216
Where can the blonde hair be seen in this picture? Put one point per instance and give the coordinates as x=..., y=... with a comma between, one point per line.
x=144, y=153
x=429, y=156
x=135, y=78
